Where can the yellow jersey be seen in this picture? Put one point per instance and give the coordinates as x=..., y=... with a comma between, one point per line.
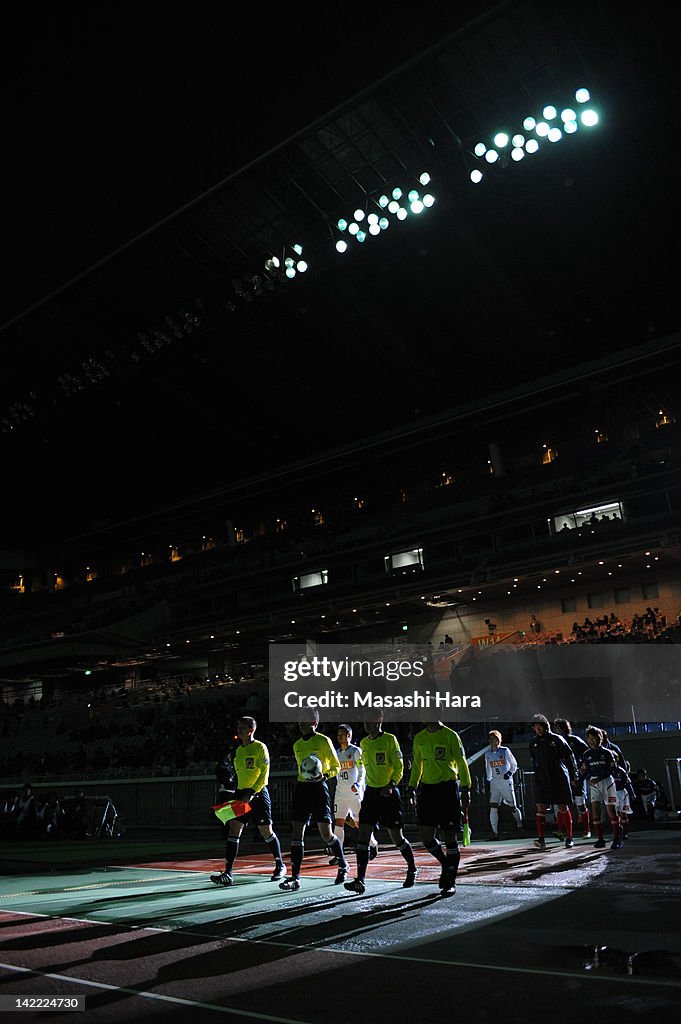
x=252, y=766
x=439, y=757
x=322, y=747
x=382, y=759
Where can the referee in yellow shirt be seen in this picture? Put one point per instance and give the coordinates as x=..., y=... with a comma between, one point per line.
x=439, y=767
x=252, y=765
x=381, y=803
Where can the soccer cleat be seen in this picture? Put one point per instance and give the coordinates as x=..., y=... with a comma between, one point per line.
x=599, y=844
x=558, y=835
x=586, y=835
x=625, y=835
x=279, y=872
x=334, y=861
x=356, y=885
x=222, y=879
x=447, y=879
x=493, y=836
x=410, y=878
x=290, y=885
x=616, y=844
x=569, y=843
x=341, y=876
x=540, y=844
x=373, y=852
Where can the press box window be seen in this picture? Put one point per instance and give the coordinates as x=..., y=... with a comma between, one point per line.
x=405, y=561
x=595, y=600
x=310, y=579
x=568, y=604
x=622, y=595
x=649, y=591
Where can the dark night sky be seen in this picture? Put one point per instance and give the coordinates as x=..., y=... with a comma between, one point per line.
x=114, y=118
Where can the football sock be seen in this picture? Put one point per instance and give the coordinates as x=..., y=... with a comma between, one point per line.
x=565, y=821
x=494, y=818
x=435, y=850
x=598, y=828
x=231, y=850
x=453, y=858
x=275, y=847
x=362, y=860
x=518, y=818
x=540, y=821
x=336, y=850
x=297, y=853
x=339, y=832
x=408, y=854
x=615, y=826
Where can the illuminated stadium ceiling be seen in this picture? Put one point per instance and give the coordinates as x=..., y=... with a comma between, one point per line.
x=189, y=359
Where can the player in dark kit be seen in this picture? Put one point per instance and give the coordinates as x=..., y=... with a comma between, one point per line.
x=599, y=767
x=311, y=801
x=581, y=790
x=252, y=766
x=555, y=773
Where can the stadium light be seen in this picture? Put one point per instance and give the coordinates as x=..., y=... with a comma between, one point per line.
x=501, y=140
x=582, y=95
x=589, y=118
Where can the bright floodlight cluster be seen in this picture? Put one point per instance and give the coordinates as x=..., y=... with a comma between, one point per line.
x=291, y=265
x=550, y=127
x=398, y=204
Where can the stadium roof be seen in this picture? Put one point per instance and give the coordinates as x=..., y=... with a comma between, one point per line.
x=164, y=370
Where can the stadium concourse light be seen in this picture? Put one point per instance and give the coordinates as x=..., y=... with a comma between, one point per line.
x=288, y=266
x=548, y=125
x=397, y=202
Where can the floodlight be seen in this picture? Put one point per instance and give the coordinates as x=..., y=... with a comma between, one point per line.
x=570, y=127
x=532, y=146
x=491, y=156
x=383, y=223
x=372, y=218
x=517, y=154
x=501, y=139
x=374, y=229
x=424, y=178
x=341, y=246
x=428, y=200
x=383, y=201
x=518, y=140
x=568, y=114
x=397, y=193
x=298, y=248
x=358, y=215
x=549, y=112
x=417, y=206
x=476, y=176
x=401, y=213
x=582, y=95
x=529, y=123
x=555, y=135
x=342, y=224
x=291, y=272
x=480, y=149
x=301, y=266
x=589, y=118
x=361, y=236
x=413, y=196
x=353, y=228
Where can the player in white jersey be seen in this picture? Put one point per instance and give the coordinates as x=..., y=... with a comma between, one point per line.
x=500, y=767
x=350, y=784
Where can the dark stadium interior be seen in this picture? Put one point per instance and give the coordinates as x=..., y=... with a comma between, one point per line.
x=463, y=432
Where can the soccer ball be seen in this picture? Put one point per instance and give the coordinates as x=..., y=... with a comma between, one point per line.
x=310, y=768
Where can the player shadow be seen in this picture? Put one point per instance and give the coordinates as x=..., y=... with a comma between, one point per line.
x=60, y=937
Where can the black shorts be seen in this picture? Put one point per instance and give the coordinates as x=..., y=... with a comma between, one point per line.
x=261, y=810
x=311, y=802
x=438, y=805
x=552, y=790
x=377, y=810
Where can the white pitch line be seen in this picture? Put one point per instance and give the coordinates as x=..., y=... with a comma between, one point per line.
x=154, y=995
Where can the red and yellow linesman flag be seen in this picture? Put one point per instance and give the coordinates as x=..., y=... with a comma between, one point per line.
x=232, y=809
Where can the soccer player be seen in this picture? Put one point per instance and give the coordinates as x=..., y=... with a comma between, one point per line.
x=382, y=803
x=581, y=790
x=625, y=795
x=500, y=767
x=252, y=766
x=350, y=783
x=311, y=801
x=439, y=765
x=599, y=765
x=555, y=771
